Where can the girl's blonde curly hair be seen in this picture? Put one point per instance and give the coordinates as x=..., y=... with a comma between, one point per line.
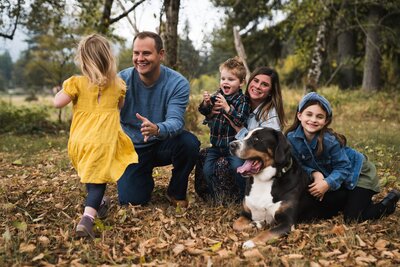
x=96, y=60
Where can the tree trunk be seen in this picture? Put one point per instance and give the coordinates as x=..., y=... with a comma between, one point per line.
x=372, y=64
x=346, y=50
x=314, y=72
x=105, y=19
x=170, y=34
x=240, y=51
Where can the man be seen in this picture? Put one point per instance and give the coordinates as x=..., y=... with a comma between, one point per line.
x=153, y=117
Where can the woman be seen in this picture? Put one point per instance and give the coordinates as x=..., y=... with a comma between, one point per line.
x=266, y=105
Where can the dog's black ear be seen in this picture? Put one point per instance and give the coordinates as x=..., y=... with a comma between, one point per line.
x=282, y=151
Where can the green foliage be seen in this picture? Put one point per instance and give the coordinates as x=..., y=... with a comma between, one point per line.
x=291, y=70
x=208, y=83
x=125, y=58
x=26, y=120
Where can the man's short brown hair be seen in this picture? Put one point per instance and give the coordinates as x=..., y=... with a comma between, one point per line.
x=157, y=39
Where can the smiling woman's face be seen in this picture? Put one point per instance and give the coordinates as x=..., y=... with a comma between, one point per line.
x=259, y=88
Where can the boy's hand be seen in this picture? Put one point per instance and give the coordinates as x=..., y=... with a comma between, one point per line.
x=221, y=103
x=319, y=187
x=206, y=98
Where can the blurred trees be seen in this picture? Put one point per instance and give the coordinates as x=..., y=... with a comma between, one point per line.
x=6, y=67
x=360, y=45
x=360, y=38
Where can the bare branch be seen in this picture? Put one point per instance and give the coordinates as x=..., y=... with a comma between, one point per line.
x=123, y=15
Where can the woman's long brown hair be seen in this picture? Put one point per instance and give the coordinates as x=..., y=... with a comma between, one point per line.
x=274, y=99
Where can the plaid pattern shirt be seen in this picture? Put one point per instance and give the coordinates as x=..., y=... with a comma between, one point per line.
x=221, y=131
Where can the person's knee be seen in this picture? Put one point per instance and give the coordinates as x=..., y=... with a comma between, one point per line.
x=134, y=189
x=189, y=143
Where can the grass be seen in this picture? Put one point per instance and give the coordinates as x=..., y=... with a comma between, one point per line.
x=41, y=200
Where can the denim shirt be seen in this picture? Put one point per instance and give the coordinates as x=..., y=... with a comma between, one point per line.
x=339, y=165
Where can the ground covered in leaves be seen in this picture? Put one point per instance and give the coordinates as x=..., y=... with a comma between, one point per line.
x=41, y=202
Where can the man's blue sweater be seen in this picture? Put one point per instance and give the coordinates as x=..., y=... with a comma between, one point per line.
x=163, y=103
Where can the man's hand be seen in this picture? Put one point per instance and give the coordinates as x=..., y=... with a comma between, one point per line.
x=319, y=187
x=147, y=128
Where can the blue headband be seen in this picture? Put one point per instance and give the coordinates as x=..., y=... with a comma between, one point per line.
x=314, y=96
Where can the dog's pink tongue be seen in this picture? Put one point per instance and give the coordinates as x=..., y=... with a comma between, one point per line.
x=249, y=167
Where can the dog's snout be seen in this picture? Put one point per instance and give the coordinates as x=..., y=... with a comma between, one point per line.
x=233, y=146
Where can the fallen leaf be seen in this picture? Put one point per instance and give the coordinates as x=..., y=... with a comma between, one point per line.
x=38, y=257
x=190, y=243
x=216, y=246
x=178, y=249
x=381, y=244
x=44, y=240
x=330, y=254
x=338, y=230
x=294, y=256
x=7, y=235
x=23, y=247
x=360, y=242
x=223, y=253
x=20, y=225
x=17, y=162
x=325, y=262
x=195, y=251
x=368, y=259
x=233, y=237
x=314, y=264
x=284, y=261
x=387, y=254
x=253, y=253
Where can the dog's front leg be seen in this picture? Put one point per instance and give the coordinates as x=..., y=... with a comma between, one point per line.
x=242, y=224
x=260, y=239
x=284, y=223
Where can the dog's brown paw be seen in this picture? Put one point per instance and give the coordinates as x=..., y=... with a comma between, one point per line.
x=242, y=224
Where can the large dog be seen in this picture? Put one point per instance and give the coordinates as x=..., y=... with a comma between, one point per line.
x=276, y=188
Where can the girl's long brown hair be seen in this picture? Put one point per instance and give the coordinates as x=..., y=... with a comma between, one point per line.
x=320, y=144
x=274, y=99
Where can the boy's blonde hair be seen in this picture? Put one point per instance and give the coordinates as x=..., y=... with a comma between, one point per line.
x=96, y=60
x=236, y=66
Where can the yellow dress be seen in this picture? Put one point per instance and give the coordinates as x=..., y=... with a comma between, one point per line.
x=99, y=149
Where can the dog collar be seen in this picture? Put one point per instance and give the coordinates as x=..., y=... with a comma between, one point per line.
x=285, y=169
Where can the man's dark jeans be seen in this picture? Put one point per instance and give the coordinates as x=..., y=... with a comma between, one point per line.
x=136, y=184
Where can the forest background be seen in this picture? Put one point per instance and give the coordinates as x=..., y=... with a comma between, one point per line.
x=347, y=50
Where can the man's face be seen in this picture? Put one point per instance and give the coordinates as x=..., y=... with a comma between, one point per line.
x=145, y=57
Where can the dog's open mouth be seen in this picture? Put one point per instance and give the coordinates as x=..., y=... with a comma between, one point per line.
x=250, y=167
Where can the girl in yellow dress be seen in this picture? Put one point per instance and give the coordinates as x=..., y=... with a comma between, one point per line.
x=98, y=148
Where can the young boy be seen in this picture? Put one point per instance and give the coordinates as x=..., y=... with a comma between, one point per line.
x=227, y=102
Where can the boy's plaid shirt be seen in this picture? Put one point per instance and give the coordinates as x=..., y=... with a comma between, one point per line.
x=221, y=131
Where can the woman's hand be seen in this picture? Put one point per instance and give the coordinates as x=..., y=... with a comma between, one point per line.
x=319, y=187
x=237, y=128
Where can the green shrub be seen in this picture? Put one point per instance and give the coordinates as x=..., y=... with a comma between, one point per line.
x=26, y=120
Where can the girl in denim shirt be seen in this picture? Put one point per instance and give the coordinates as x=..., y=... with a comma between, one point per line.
x=324, y=155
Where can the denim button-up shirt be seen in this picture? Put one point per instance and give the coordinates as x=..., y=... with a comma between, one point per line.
x=339, y=165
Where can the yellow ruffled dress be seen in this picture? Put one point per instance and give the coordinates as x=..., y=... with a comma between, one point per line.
x=99, y=149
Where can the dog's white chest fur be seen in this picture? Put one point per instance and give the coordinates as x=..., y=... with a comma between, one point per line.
x=259, y=200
